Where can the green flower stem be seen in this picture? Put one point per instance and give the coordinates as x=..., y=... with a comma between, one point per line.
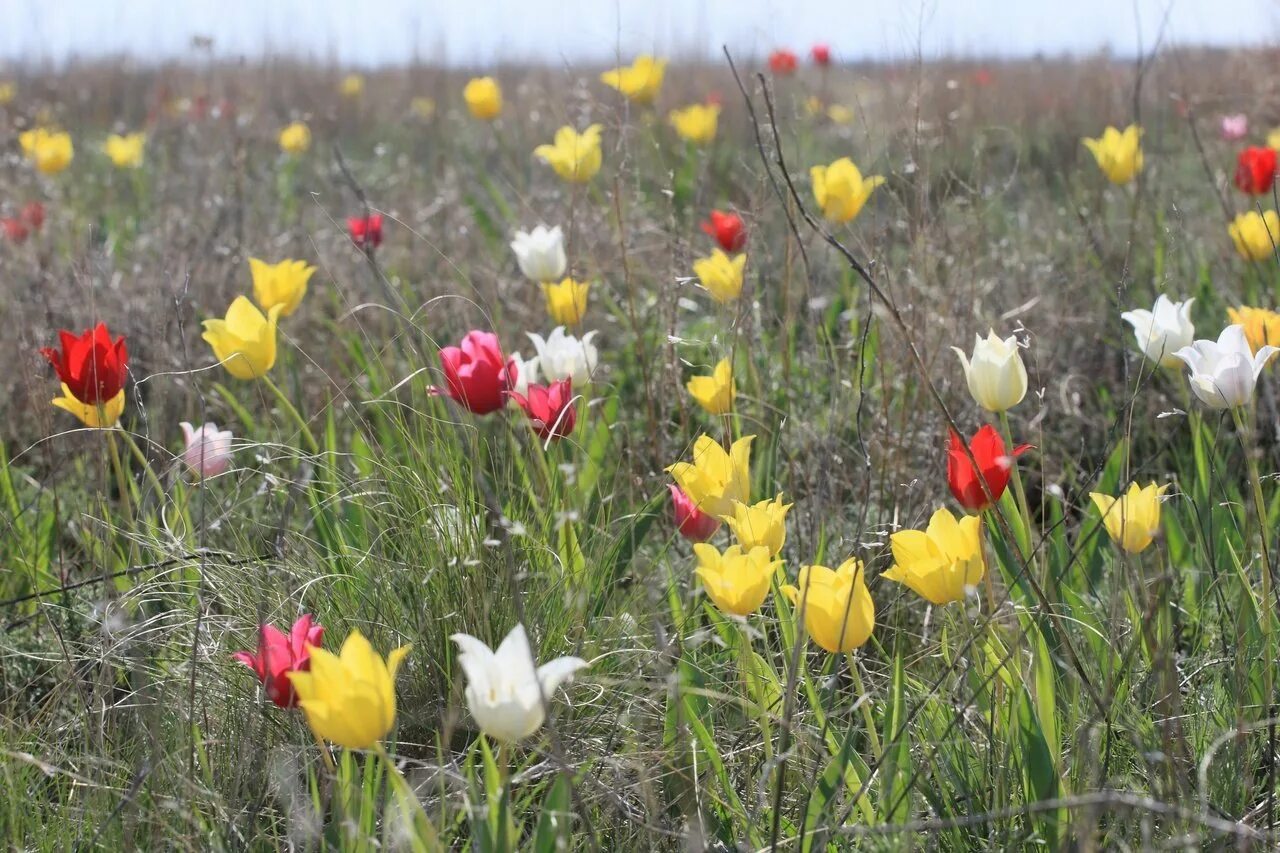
x=308, y=437
x=150, y=473
x=752, y=679
x=1260, y=511
x=1019, y=493
x=865, y=707
x=122, y=481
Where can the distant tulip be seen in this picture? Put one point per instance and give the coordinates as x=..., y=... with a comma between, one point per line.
x=477, y=376
x=995, y=463
x=738, y=580
x=727, y=230
x=639, y=81
x=91, y=367
x=352, y=86
x=1234, y=127
x=280, y=284
x=1255, y=235
x=208, y=450
x=280, y=654
x=996, y=376
x=125, y=152
x=1261, y=327
x=760, y=525
x=96, y=415
x=507, y=696
x=540, y=253
x=8, y=91
x=295, y=138
x=692, y=523
x=1273, y=139
x=423, y=108
x=1224, y=372
x=365, y=231
x=576, y=157
x=15, y=230
x=714, y=393
x=552, y=410
x=1133, y=519
x=1164, y=330
x=350, y=698
x=484, y=98
x=566, y=301
x=715, y=479
x=838, y=611
x=840, y=189
x=821, y=55
x=696, y=123
x=942, y=563
x=50, y=151
x=840, y=114
x=33, y=215
x=1119, y=154
x=1256, y=170
x=563, y=356
x=244, y=342
x=782, y=62
x=721, y=275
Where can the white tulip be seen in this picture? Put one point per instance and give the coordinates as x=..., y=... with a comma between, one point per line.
x=507, y=696
x=1163, y=331
x=562, y=356
x=996, y=376
x=540, y=253
x=1224, y=372
x=208, y=451
x=526, y=372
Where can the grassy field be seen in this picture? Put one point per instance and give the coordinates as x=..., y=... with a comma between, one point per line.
x=1074, y=695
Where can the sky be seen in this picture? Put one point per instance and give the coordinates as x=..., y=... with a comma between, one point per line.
x=564, y=32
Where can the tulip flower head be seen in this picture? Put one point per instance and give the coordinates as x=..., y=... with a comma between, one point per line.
x=49, y=151
x=540, y=253
x=760, y=525
x=692, y=523
x=841, y=190
x=1273, y=139
x=714, y=393
x=423, y=107
x=566, y=301
x=1162, y=331
x=727, y=230
x=15, y=230
x=995, y=373
x=33, y=215
x=1234, y=127
x=1118, y=153
x=1261, y=327
x=8, y=91
x=208, y=450
x=715, y=479
x=563, y=356
x=783, y=63
x=821, y=55
x=736, y=581
x=1256, y=170
x=365, y=231
x=477, y=375
x=279, y=654
x=942, y=563
x=840, y=114
x=244, y=342
x=91, y=367
x=576, y=157
x=551, y=409
x=838, y=611
x=507, y=695
x=639, y=81
x=350, y=698
x=96, y=415
x=1133, y=519
x=696, y=123
x=483, y=96
x=1224, y=372
x=521, y=373
x=1255, y=235
x=352, y=86
x=125, y=151
x=281, y=284
x=721, y=275
x=995, y=464
x=295, y=138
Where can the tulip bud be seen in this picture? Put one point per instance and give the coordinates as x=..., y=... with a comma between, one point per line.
x=996, y=376
x=208, y=450
x=540, y=253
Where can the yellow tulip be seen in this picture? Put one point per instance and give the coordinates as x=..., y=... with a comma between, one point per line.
x=714, y=393
x=295, y=139
x=838, y=611
x=283, y=284
x=50, y=151
x=760, y=525
x=484, y=98
x=639, y=81
x=840, y=189
x=1133, y=519
x=1261, y=327
x=8, y=91
x=736, y=581
x=566, y=301
x=104, y=415
x=352, y=86
x=1256, y=235
x=576, y=157
x=245, y=342
x=1119, y=153
x=696, y=123
x=423, y=108
x=350, y=698
x=941, y=563
x=721, y=275
x=715, y=479
x=813, y=106
x=840, y=114
x=1273, y=139
x=125, y=152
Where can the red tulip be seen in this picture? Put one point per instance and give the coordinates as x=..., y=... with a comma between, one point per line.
x=727, y=229
x=91, y=366
x=983, y=77
x=996, y=464
x=366, y=231
x=693, y=524
x=1256, y=170
x=15, y=230
x=33, y=215
x=821, y=54
x=279, y=655
x=714, y=98
x=476, y=373
x=551, y=408
x=782, y=62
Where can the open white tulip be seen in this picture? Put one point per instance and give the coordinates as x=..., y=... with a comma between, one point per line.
x=562, y=356
x=208, y=450
x=996, y=376
x=506, y=694
x=540, y=253
x=1224, y=372
x=1162, y=331
x=526, y=372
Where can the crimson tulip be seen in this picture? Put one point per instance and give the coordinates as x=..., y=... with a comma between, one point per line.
x=782, y=62
x=476, y=373
x=727, y=229
x=33, y=215
x=550, y=408
x=692, y=523
x=993, y=460
x=15, y=230
x=280, y=654
x=821, y=54
x=366, y=231
x=1256, y=170
x=91, y=366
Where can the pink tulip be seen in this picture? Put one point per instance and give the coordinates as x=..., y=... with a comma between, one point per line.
x=208, y=451
x=279, y=655
x=693, y=524
x=477, y=375
x=1235, y=127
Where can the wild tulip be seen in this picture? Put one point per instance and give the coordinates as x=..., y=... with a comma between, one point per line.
x=726, y=229
x=841, y=190
x=49, y=151
x=838, y=611
x=477, y=375
x=1133, y=519
x=996, y=375
x=640, y=81
x=721, y=275
x=552, y=409
x=245, y=341
x=540, y=253
x=483, y=97
x=295, y=138
x=738, y=580
x=280, y=284
x=8, y=91
x=1255, y=235
x=692, y=523
x=91, y=367
x=942, y=563
x=506, y=693
x=575, y=157
x=715, y=479
x=1118, y=153
x=566, y=301
x=33, y=215
x=365, y=231
x=125, y=151
x=1234, y=127
x=1273, y=139
x=1256, y=170
x=94, y=415
x=521, y=373
x=208, y=449
x=279, y=654
x=15, y=230
x=696, y=123
x=1261, y=327
x=352, y=86
x=714, y=393
x=563, y=356
x=1224, y=372
x=1162, y=331
x=760, y=525
x=994, y=463
x=821, y=55
x=783, y=62
x=840, y=114
x=423, y=107
x=350, y=698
